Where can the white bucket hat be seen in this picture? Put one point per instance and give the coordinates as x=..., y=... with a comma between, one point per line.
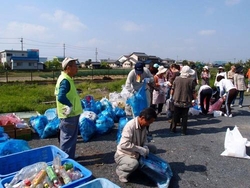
x=187, y=71
x=161, y=70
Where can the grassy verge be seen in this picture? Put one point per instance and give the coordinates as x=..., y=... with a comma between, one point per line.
x=17, y=97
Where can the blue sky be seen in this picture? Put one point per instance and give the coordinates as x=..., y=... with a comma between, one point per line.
x=197, y=30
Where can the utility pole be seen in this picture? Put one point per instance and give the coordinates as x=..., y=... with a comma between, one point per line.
x=64, y=50
x=21, y=43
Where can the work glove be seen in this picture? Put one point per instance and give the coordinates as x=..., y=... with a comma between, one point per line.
x=171, y=98
x=144, y=151
x=67, y=110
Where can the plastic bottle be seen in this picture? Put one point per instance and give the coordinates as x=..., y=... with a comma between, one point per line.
x=64, y=175
x=68, y=166
x=38, y=178
x=75, y=175
x=51, y=173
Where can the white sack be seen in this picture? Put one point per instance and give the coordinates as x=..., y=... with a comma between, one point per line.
x=235, y=144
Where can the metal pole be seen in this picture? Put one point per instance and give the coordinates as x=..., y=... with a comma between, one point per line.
x=6, y=75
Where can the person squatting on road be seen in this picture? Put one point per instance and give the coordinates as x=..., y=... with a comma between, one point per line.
x=133, y=144
x=227, y=88
x=182, y=93
x=69, y=106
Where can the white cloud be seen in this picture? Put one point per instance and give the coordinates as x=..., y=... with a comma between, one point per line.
x=131, y=26
x=25, y=29
x=232, y=2
x=207, y=32
x=66, y=20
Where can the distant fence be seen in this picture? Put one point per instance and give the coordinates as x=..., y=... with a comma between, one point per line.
x=34, y=75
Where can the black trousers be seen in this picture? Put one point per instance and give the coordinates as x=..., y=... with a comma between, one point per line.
x=205, y=94
x=180, y=113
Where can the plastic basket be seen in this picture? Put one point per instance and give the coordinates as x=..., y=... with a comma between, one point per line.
x=87, y=175
x=12, y=163
x=98, y=183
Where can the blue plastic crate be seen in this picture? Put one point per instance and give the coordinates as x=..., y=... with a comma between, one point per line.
x=98, y=183
x=12, y=163
x=87, y=175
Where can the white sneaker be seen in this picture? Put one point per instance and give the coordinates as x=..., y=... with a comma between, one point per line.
x=123, y=179
x=225, y=115
x=240, y=106
x=231, y=105
x=231, y=115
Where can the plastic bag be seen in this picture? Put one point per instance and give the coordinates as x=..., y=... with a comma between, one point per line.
x=104, y=124
x=87, y=128
x=122, y=122
x=235, y=144
x=88, y=103
x=39, y=123
x=51, y=129
x=138, y=101
x=13, y=146
x=51, y=113
x=156, y=169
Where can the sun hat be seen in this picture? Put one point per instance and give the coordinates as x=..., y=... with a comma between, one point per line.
x=205, y=67
x=66, y=61
x=161, y=70
x=186, y=71
x=220, y=67
x=139, y=67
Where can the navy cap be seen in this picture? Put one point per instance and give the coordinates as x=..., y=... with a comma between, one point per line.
x=139, y=67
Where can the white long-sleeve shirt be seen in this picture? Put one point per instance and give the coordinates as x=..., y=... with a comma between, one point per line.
x=225, y=85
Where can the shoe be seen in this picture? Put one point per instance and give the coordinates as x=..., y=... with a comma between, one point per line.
x=231, y=115
x=225, y=115
x=240, y=106
x=232, y=105
x=123, y=179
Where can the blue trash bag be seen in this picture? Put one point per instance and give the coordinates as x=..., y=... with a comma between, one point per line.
x=51, y=129
x=119, y=112
x=1, y=131
x=88, y=103
x=108, y=112
x=104, y=124
x=51, y=114
x=87, y=128
x=138, y=101
x=105, y=103
x=122, y=122
x=156, y=169
x=99, y=107
x=4, y=137
x=13, y=146
x=39, y=123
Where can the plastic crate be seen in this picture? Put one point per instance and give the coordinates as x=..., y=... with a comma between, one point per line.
x=12, y=163
x=87, y=175
x=98, y=183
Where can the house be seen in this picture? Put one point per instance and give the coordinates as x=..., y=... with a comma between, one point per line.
x=111, y=63
x=130, y=60
x=22, y=60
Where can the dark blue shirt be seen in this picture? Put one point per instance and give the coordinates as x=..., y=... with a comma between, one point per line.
x=63, y=90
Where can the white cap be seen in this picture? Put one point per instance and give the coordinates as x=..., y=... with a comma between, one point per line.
x=66, y=61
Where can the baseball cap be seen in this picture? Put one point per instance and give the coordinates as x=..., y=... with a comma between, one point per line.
x=66, y=61
x=139, y=67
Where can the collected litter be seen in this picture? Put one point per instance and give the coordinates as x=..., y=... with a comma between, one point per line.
x=235, y=145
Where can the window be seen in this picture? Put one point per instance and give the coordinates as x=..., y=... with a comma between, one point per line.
x=9, y=54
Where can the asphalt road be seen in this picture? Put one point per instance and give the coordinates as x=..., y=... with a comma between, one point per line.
x=194, y=159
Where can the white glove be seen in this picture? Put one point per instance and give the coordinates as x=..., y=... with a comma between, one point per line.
x=67, y=110
x=161, y=84
x=144, y=151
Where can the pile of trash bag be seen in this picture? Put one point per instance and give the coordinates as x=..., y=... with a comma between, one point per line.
x=98, y=118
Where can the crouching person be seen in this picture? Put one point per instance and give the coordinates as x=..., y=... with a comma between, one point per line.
x=133, y=144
